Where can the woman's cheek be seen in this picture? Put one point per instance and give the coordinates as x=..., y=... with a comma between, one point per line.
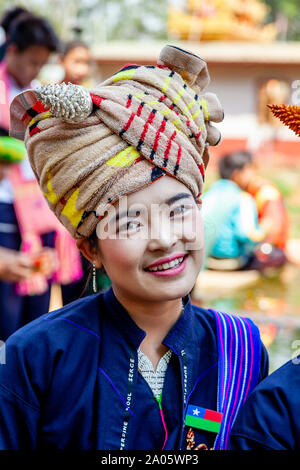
x=119, y=254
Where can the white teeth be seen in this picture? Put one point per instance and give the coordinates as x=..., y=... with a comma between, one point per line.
x=172, y=264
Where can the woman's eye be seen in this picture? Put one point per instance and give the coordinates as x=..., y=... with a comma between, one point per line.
x=180, y=210
x=131, y=225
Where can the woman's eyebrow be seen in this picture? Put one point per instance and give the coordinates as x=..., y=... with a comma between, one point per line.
x=177, y=197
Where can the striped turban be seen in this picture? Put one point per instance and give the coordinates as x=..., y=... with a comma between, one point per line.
x=89, y=148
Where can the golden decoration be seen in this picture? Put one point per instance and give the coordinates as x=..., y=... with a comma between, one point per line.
x=222, y=20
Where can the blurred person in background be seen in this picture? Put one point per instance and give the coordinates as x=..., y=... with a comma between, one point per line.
x=30, y=43
x=17, y=267
x=272, y=213
x=14, y=265
x=8, y=17
x=254, y=220
x=76, y=62
x=235, y=233
x=27, y=226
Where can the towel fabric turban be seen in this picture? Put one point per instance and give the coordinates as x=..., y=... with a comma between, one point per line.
x=88, y=148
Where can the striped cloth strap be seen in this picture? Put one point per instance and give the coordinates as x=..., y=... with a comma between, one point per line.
x=239, y=350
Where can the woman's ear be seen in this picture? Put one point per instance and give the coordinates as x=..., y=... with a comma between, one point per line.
x=89, y=252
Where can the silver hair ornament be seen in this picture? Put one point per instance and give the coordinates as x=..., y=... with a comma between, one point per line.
x=70, y=102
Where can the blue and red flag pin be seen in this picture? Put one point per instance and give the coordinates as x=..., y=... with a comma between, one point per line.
x=202, y=418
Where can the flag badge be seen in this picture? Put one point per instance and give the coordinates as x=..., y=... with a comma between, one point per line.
x=202, y=418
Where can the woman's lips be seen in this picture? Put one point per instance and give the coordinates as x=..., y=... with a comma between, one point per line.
x=172, y=271
x=166, y=260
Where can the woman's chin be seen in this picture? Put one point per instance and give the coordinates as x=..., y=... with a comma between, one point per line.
x=166, y=293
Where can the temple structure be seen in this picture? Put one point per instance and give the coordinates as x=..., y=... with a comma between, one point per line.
x=222, y=20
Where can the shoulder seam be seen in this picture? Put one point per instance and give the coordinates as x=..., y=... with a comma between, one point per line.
x=7, y=390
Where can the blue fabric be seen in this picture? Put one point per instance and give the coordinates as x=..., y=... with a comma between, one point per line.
x=239, y=363
x=270, y=417
x=15, y=310
x=71, y=380
x=225, y=235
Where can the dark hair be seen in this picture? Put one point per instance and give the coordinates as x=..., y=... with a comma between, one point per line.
x=7, y=19
x=29, y=30
x=70, y=45
x=9, y=16
x=233, y=161
x=93, y=241
x=3, y=132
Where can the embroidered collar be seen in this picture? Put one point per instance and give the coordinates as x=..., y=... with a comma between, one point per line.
x=176, y=337
x=154, y=378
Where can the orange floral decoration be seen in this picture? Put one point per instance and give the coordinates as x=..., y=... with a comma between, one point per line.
x=288, y=114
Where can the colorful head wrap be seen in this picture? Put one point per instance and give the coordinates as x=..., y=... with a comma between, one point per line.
x=11, y=150
x=87, y=149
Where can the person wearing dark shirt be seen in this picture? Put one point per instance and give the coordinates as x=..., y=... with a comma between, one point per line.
x=269, y=420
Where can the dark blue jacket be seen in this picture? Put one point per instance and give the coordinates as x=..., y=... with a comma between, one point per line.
x=71, y=380
x=270, y=417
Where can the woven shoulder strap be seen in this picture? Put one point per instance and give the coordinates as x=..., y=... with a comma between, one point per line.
x=239, y=350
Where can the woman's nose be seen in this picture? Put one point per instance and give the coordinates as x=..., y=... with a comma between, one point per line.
x=162, y=236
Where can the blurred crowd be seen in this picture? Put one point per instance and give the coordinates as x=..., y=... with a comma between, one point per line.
x=250, y=223
x=35, y=250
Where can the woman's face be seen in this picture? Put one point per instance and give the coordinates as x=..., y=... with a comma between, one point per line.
x=161, y=224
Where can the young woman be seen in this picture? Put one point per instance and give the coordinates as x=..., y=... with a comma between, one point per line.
x=136, y=367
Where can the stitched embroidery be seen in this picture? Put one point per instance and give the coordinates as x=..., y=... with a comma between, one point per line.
x=154, y=378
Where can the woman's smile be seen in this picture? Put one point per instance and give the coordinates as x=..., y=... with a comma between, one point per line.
x=168, y=267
